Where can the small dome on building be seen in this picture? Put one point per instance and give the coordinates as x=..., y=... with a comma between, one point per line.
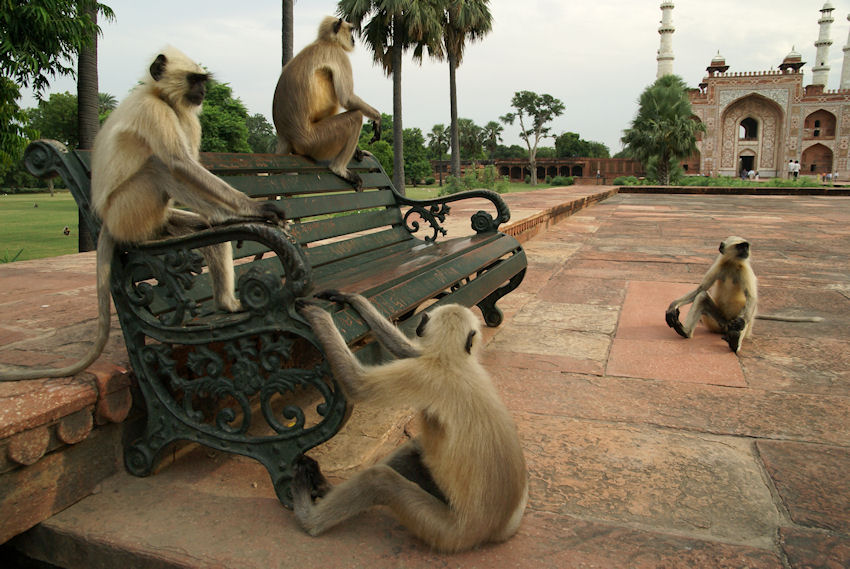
x=827, y=6
x=792, y=57
x=718, y=59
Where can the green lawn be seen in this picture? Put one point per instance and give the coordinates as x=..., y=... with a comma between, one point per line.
x=37, y=231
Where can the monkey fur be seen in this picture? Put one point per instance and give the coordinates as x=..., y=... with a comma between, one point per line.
x=726, y=299
x=310, y=91
x=463, y=482
x=145, y=157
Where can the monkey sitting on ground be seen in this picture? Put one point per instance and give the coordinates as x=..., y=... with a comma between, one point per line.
x=726, y=298
x=146, y=156
x=463, y=482
x=310, y=90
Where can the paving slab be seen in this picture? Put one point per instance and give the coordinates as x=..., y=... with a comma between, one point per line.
x=814, y=550
x=646, y=347
x=812, y=482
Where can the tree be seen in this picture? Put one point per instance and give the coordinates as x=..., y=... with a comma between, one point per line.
x=106, y=103
x=513, y=151
x=393, y=26
x=470, y=139
x=286, y=34
x=462, y=20
x=224, y=121
x=571, y=145
x=438, y=144
x=261, y=135
x=663, y=132
x=416, y=165
x=491, y=135
x=56, y=118
x=88, y=117
x=38, y=41
x=538, y=111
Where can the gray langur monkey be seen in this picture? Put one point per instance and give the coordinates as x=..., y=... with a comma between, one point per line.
x=726, y=299
x=311, y=89
x=463, y=481
x=145, y=157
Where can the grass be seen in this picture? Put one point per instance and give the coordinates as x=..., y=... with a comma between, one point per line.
x=433, y=191
x=37, y=232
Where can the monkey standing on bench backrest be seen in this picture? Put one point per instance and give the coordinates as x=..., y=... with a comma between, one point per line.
x=309, y=92
x=726, y=299
x=463, y=482
x=144, y=158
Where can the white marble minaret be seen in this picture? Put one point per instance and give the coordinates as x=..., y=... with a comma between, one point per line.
x=665, y=52
x=820, y=73
x=845, y=69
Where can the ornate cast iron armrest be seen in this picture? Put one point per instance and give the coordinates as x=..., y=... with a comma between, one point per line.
x=295, y=266
x=434, y=211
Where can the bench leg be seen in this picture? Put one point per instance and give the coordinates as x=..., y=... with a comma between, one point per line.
x=492, y=314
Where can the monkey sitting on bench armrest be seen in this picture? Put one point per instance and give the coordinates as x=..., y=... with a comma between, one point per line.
x=463, y=482
x=145, y=158
x=726, y=299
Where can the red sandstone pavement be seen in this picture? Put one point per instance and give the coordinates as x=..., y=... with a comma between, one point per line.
x=644, y=449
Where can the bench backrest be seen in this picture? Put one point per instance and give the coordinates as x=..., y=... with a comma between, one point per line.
x=318, y=203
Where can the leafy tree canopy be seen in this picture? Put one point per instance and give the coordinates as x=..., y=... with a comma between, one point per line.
x=56, y=118
x=224, y=121
x=571, y=145
x=663, y=130
x=261, y=134
x=534, y=113
x=39, y=39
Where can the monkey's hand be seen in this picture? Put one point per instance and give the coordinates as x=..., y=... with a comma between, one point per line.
x=376, y=131
x=268, y=211
x=672, y=317
x=336, y=296
x=733, y=333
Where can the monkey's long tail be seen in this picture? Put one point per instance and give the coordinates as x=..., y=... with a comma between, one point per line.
x=780, y=318
x=105, y=248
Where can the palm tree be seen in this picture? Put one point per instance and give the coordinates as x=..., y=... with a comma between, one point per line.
x=88, y=119
x=286, y=35
x=391, y=27
x=438, y=142
x=106, y=103
x=491, y=134
x=462, y=20
x=663, y=130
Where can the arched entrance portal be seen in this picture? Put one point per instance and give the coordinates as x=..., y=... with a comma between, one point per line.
x=816, y=160
x=749, y=132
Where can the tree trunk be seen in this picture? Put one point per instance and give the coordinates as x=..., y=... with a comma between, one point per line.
x=532, y=163
x=286, y=32
x=453, y=127
x=88, y=121
x=398, y=131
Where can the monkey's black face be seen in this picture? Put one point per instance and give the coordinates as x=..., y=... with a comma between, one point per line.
x=743, y=250
x=197, y=87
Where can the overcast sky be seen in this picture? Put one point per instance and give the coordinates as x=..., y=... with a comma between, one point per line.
x=596, y=56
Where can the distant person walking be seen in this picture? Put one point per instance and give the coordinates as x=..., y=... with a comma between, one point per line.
x=796, y=169
x=790, y=169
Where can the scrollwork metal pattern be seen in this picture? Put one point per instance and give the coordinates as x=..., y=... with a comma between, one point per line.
x=434, y=215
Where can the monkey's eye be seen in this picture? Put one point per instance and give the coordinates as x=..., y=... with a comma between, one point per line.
x=195, y=78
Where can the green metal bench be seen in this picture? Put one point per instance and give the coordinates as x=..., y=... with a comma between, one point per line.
x=255, y=382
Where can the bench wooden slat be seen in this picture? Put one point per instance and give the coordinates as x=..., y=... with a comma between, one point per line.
x=307, y=206
x=380, y=242
x=295, y=184
x=338, y=226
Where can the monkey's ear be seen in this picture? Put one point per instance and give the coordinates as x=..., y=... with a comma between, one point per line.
x=421, y=328
x=158, y=67
x=722, y=247
x=337, y=25
x=469, y=338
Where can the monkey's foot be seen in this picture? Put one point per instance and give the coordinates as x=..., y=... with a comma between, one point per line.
x=308, y=477
x=672, y=317
x=733, y=334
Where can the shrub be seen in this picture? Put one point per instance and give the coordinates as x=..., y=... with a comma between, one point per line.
x=430, y=181
x=528, y=178
x=562, y=181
